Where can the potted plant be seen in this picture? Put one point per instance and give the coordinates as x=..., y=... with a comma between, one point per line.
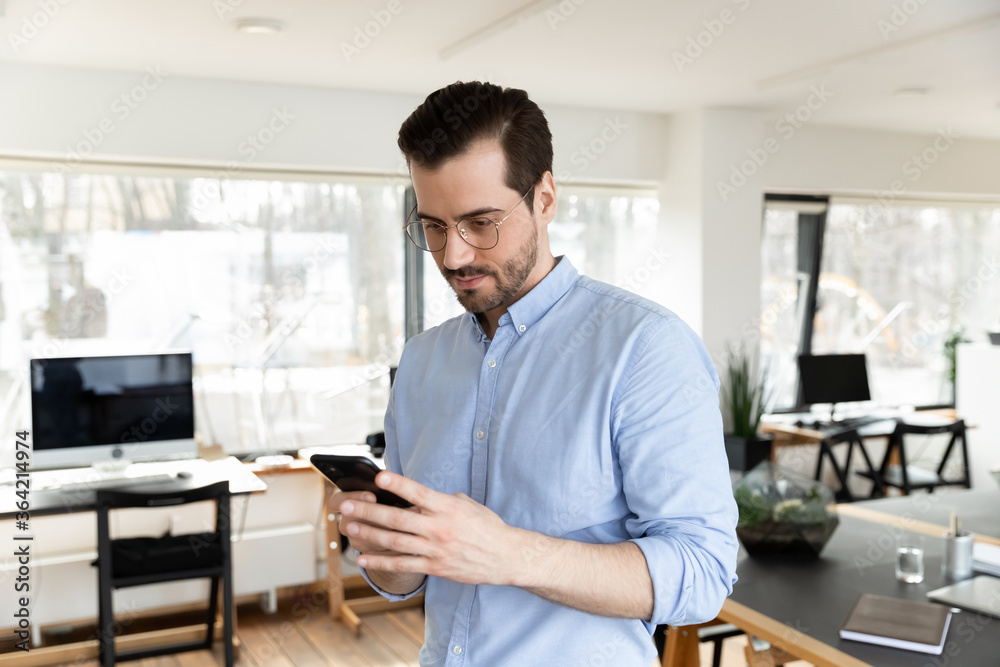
x=743, y=391
x=951, y=343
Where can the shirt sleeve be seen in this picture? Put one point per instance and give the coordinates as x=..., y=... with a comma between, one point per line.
x=392, y=464
x=667, y=430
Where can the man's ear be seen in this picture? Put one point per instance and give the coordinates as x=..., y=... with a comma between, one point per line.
x=544, y=205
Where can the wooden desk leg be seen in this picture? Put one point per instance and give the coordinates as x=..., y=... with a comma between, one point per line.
x=334, y=577
x=681, y=646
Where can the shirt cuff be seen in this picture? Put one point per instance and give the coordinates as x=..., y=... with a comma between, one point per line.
x=391, y=597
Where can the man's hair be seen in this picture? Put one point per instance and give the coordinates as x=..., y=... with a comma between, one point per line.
x=455, y=117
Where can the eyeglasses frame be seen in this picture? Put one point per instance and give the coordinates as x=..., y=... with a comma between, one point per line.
x=447, y=227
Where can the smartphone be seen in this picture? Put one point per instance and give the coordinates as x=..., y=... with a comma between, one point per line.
x=355, y=473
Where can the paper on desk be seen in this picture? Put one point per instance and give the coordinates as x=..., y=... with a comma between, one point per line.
x=986, y=558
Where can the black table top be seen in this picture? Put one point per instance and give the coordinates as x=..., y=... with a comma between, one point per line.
x=814, y=596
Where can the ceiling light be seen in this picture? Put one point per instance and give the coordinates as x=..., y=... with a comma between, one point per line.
x=911, y=91
x=258, y=26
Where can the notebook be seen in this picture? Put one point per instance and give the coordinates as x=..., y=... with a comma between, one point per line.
x=906, y=624
x=980, y=594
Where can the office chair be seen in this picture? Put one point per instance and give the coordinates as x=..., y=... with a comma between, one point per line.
x=851, y=437
x=141, y=561
x=907, y=477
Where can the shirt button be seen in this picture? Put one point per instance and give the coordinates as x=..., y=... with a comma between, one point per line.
x=457, y=650
x=493, y=363
x=522, y=328
x=480, y=434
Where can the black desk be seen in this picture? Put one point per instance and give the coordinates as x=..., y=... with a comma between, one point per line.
x=799, y=605
x=930, y=513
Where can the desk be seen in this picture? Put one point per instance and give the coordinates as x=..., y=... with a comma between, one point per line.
x=52, y=502
x=929, y=513
x=798, y=605
x=787, y=434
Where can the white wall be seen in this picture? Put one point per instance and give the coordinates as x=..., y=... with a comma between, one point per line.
x=49, y=110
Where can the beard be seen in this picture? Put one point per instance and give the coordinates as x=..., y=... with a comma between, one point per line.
x=509, y=281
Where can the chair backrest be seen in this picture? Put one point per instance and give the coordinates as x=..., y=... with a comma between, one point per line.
x=112, y=499
x=955, y=427
x=117, y=499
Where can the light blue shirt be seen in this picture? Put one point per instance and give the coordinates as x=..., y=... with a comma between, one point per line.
x=592, y=415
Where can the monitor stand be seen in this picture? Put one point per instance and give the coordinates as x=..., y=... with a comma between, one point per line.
x=111, y=467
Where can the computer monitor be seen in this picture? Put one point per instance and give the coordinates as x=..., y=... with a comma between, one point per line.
x=833, y=378
x=112, y=409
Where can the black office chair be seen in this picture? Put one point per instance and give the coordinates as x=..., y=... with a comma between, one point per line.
x=141, y=561
x=853, y=440
x=907, y=477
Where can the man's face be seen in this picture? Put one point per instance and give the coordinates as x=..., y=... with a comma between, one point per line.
x=472, y=185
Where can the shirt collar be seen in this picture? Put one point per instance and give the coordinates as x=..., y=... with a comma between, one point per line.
x=530, y=308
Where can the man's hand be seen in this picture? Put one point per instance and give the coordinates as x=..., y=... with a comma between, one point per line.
x=449, y=536
x=454, y=537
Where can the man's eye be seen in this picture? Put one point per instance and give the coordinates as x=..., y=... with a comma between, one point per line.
x=434, y=228
x=481, y=223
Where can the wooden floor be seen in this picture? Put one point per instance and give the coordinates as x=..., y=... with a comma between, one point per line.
x=302, y=634
x=298, y=635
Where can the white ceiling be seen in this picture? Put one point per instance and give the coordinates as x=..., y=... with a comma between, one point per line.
x=614, y=54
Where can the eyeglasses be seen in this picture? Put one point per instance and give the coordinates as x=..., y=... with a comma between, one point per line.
x=480, y=233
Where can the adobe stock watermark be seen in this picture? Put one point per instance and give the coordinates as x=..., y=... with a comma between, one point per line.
x=786, y=126
x=899, y=16
x=32, y=25
x=325, y=247
x=588, y=153
x=701, y=41
x=250, y=148
x=750, y=331
x=918, y=164
x=121, y=108
x=562, y=12
x=365, y=34
x=455, y=116
x=931, y=328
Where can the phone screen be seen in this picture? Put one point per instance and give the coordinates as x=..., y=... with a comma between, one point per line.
x=355, y=473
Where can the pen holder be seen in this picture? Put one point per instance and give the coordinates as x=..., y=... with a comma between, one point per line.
x=957, y=562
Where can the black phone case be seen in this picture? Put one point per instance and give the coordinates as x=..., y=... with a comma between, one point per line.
x=355, y=473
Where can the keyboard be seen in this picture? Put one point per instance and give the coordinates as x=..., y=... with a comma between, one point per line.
x=107, y=482
x=843, y=424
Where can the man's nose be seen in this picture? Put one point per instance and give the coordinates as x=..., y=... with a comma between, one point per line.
x=457, y=253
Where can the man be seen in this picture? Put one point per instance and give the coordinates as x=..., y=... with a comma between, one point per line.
x=561, y=442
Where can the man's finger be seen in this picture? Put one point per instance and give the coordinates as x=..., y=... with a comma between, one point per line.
x=386, y=516
x=407, y=489
x=337, y=499
x=388, y=540
x=394, y=563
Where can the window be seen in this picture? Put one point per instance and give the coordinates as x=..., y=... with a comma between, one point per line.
x=896, y=282
x=288, y=293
